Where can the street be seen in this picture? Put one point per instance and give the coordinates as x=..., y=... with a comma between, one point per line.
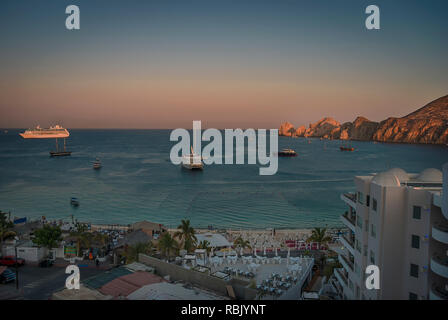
x=39, y=283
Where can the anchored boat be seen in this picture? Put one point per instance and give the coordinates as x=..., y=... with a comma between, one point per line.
x=45, y=133
x=192, y=161
x=347, y=147
x=287, y=153
x=97, y=164
x=74, y=202
x=59, y=153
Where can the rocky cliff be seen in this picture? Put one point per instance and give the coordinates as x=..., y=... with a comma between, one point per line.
x=428, y=124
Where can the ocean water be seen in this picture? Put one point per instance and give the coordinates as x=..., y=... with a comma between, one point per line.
x=138, y=181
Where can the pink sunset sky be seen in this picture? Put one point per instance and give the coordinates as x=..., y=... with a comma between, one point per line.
x=232, y=67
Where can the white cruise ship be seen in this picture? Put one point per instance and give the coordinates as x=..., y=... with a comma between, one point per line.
x=44, y=133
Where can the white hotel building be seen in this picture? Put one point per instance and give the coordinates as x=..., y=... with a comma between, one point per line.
x=399, y=222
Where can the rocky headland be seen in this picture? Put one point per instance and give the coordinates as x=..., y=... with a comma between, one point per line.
x=428, y=124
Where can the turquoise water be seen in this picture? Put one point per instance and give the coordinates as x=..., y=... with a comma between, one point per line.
x=139, y=182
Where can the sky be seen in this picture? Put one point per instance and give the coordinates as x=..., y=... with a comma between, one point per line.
x=228, y=63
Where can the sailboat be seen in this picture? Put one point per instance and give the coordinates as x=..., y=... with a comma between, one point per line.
x=58, y=153
x=192, y=161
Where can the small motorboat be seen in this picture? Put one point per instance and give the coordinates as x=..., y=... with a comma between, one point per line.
x=74, y=202
x=346, y=148
x=287, y=153
x=97, y=164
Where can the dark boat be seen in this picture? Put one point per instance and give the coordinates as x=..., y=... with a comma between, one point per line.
x=287, y=153
x=58, y=153
x=74, y=202
x=347, y=147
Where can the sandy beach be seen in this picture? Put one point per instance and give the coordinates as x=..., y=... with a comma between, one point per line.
x=267, y=238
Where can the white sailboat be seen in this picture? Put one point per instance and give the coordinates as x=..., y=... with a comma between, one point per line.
x=192, y=161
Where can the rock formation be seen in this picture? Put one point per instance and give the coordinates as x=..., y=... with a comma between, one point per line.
x=286, y=129
x=428, y=124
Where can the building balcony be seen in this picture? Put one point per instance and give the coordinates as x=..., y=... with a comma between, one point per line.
x=438, y=293
x=339, y=274
x=348, y=221
x=440, y=232
x=439, y=265
x=346, y=263
x=349, y=198
x=348, y=243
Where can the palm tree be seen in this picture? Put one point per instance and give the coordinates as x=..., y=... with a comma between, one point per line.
x=6, y=234
x=241, y=243
x=319, y=235
x=83, y=240
x=186, y=235
x=204, y=244
x=167, y=245
x=5, y=227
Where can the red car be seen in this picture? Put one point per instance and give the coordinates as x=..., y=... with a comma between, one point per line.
x=11, y=261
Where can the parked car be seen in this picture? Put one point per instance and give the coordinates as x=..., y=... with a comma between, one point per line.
x=7, y=276
x=11, y=261
x=46, y=263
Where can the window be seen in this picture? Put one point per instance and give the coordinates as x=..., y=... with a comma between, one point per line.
x=414, y=270
x=373, y=231
x=374, y=204
x=415, y=241
x=417, y=212
x=372, y=257
x=368, y=200
x=413, y=296
x=360, y=197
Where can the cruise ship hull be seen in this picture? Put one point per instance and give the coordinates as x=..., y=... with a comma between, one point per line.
x=46, y=135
